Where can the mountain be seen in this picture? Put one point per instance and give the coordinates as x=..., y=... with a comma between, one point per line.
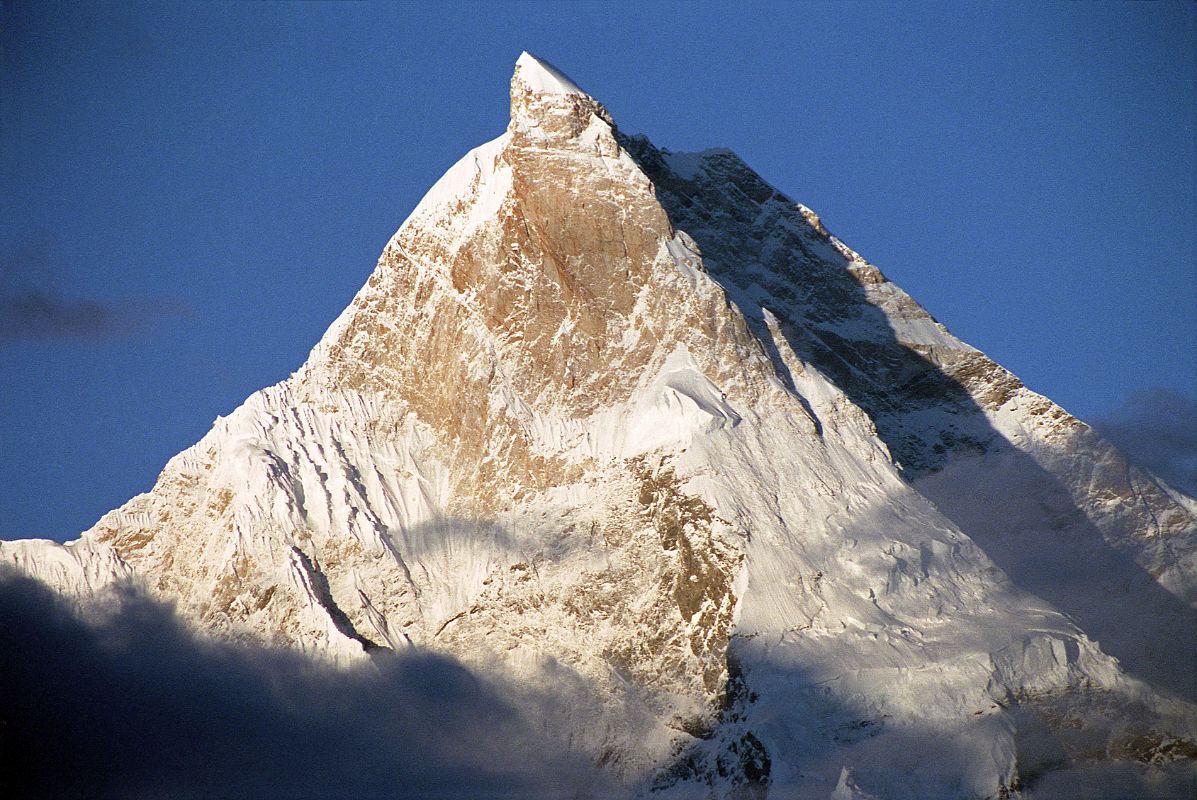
x=633, y=422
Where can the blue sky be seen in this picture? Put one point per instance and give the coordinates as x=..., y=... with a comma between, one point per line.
x=190, y=193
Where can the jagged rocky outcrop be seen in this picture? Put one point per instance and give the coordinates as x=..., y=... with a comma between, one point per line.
x=634, y=422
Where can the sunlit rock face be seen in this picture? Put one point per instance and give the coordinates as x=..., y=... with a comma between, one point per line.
x=633, y=424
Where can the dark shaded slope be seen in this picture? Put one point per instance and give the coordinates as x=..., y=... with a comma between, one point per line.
x=928, y=405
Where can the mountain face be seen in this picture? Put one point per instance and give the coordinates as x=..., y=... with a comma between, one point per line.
x=633, y=421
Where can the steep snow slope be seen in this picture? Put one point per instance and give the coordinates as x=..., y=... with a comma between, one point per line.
x=1079, y=525
x=634, y=424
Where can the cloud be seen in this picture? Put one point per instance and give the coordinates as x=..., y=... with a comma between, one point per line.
x=1157, y=428
x=41, y=315
x=133, y=705
x=29, y=311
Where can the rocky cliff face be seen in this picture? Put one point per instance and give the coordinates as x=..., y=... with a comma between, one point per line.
x=634, y=422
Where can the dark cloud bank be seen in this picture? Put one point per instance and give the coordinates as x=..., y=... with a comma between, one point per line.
x=132, y=705
x=1158, y=429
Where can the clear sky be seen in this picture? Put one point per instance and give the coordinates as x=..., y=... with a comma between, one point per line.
x=190, y=193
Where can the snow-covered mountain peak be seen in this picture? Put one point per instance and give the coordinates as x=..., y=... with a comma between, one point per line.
x=549, y=108
x=632, y=420
x=540, y=76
